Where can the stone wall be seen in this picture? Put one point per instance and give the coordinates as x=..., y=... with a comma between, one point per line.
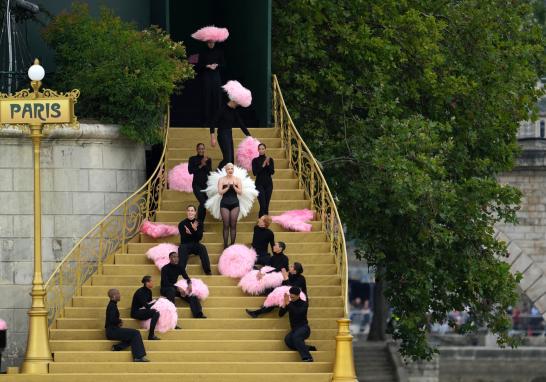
x=85, y=173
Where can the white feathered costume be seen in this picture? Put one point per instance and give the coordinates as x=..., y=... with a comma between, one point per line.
x=246, y=198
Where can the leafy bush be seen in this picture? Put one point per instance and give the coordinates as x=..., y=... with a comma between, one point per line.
x=125, y=76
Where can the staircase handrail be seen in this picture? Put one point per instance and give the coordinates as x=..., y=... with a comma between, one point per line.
x=311, y=179
x=107, y=237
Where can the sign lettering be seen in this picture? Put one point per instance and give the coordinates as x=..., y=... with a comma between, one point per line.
x=28, y=111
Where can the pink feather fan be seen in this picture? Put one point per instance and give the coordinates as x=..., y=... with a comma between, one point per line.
x=236, y=261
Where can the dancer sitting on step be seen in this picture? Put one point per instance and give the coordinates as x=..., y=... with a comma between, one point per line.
x=141, y=306
x=127, y=336
x=169, y=276
x=191, y=233
x=299, y=326
x=263, y=167
x=200, y=166
x=294, y=277
x=279, y=260
x=262, y=238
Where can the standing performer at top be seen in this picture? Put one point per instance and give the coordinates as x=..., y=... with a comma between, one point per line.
x=200, y=166
x=263, y=167
x=210, y=62
x=228, y=116
x=229, y=187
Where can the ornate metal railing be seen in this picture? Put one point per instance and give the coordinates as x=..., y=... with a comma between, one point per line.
x=109, y=236
x=312, y=180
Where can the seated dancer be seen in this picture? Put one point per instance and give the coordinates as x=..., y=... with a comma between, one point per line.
x=169, y=276
x=200, y=166
x=229, y=187
x=279, y=260
x=293, y=277
x=263, y=237
x=141, y=306
x=127, y=336
x=263, y=167
x=299, y=327
x=191, y=232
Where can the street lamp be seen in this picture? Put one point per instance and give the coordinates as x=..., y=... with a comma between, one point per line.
x=35, y=110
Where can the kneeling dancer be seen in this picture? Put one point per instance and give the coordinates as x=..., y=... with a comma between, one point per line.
x=141, y=306
x=300, y=330
x=127, y=336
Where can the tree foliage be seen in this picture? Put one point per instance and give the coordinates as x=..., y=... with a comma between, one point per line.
x=413, y=107
x=125, y=76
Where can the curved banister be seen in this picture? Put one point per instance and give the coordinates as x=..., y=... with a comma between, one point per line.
x=312, y=180
x=108, y=236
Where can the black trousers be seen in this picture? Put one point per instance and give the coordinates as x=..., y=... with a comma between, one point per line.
x=202, y=199
x=147, y=314
x=295, y=340
x=264, y=197
x=264, y=310
x=263, y=259
x=212, y=95
x=171, y=292
x=225, y=141
x=185, y=250
x=128, y=337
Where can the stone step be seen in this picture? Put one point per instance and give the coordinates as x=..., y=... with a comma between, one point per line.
x=304, y=258
x=250, y=302
x=275, y=208
x=202, y=324
x=212, y=313
x=213, y=225
x=194, y=334
x=245, y=237
x=216, y=157
x=185, y=143
x=185, y=153
x=202, y=134
x=280, y=194
x=217, y=247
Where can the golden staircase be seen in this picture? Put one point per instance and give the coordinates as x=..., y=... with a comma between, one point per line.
x=228, y=345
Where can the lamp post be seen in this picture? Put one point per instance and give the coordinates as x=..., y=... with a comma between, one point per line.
x=33, y=112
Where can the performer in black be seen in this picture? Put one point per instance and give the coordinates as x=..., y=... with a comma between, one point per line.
x=127, y=336
x=191, y=232
x=169, y=277
x=141, y=307
x=229, y=187
x=262, y=168
x=226, y=117
x=300, y=330
x=200, y=166
x=294, y=277
x=279, y=260
x=262, y=238
x=211, y=60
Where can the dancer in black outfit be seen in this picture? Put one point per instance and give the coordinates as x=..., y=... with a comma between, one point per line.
x=127, y=336
x=293, y=277
x=262, y=168
x=141, y=306
x=169, y=277
x=225, y=119
x=229, y=187
x=200, y=166
x=262, y=238
x=191, y=233
x=211, y=60
x=279, y=260
x=300, y=330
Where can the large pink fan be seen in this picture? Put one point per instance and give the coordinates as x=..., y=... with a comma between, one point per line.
x=295, y=220
x=211, y=33
x=160, y=254
x=198, y=288
x=180, y=179
x=157, y=230
x=250, y=283
x=276, y=298
x=246, y=151
x=236, y=261
x=168, y=316
x=238, y=93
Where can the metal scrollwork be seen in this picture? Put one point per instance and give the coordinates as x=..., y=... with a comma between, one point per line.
x=312, y=181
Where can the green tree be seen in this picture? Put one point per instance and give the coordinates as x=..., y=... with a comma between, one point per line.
x=413, y=107
x=125, y=76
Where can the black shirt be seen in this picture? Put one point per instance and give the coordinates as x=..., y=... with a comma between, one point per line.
x=196, y=234
x=297, y=313
x=263, y=174
x=226, y=117
x=170, y=273
x=112, y=315
x=296, y=281
x=200, y=175
x=278, y=261
x=211, y=56
x=261, y=238
x=141, y=299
